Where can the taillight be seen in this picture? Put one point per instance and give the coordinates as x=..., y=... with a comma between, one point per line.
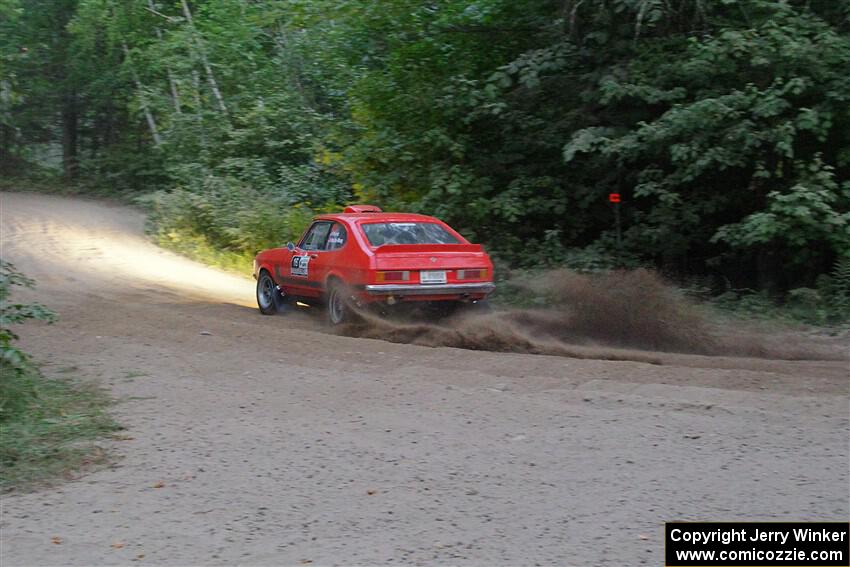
x=472, y=274
x=392, y=276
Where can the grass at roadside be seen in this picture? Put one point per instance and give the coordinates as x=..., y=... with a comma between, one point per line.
x=48, y=427
x=199, y=249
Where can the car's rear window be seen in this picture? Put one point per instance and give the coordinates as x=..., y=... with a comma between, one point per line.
x=381, y=233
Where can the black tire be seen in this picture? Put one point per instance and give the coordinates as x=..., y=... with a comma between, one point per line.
x=339, y=304
x=269, y=299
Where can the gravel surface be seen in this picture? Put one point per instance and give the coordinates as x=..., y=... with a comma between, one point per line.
x=271, y=441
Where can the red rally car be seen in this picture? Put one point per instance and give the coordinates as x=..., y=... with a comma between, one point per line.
x=366, y=257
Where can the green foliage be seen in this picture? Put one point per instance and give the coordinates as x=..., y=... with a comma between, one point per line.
x=742, y=126
x=725, y=126
x=42, y=421
x=227, y=215
x=828, y=303
x=16, y=390
x=45, y=424
x=15, y=361
x=835, y=288
x=809, y=211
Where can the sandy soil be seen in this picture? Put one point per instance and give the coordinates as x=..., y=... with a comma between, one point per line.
x=267, y=440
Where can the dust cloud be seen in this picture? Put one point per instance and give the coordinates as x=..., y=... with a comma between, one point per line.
x=621, y=315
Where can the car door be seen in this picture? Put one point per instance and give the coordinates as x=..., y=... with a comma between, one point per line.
x=328, y=256
x=300, y=275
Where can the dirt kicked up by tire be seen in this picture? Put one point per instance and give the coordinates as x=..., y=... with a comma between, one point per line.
x=271, y=441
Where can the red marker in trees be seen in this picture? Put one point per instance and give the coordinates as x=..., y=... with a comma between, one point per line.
x=614, y=198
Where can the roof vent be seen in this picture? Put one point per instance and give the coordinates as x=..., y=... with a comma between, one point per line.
x=362, y=209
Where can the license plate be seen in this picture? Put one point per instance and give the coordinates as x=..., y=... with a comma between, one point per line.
x=432, y=276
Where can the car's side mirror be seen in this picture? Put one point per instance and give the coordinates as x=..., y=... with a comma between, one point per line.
x=290, y=246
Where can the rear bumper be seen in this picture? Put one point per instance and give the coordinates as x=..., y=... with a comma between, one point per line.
x=431, y=289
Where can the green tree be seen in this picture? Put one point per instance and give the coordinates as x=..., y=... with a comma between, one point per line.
x=724, y=124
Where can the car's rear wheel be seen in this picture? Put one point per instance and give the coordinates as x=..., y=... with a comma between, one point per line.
x=269, y=299
x=339, y=304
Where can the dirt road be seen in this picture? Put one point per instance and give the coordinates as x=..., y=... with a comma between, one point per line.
x=275, y=442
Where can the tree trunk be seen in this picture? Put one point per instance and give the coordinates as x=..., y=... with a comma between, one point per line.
x=142, y=102
x=204, y=60
x=768, y=270
x=6, y=131
x=199, y=111
x=5, y=148
x=69, y=135
x=297, y=66
x=175, y=94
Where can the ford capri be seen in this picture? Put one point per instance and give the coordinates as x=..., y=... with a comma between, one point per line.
x=364, y=257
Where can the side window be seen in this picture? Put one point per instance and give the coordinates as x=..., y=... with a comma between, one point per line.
x=316, y=237
x=337, y=237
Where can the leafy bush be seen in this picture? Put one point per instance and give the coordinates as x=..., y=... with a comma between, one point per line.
x=15, y=360
x=42, y=419
x=837, y=287
x=809, y=211
x=826, y=304
x=225, y=222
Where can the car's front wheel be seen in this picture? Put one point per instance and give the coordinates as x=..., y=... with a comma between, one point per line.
x=269, y=299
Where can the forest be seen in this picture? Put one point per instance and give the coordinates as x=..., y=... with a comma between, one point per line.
x=724, y=125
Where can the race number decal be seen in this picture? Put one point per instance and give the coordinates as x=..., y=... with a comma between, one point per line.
x=300, y=266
